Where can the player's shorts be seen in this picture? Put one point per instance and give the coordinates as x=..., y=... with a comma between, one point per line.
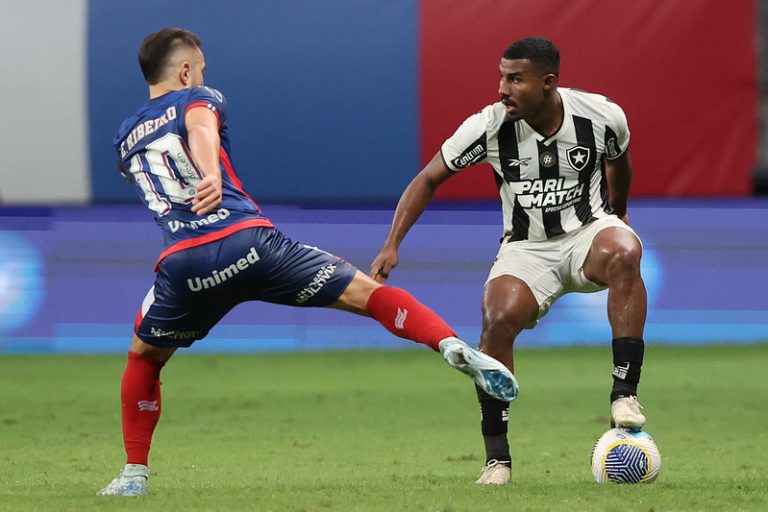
x=196, y=287
x=552, y=268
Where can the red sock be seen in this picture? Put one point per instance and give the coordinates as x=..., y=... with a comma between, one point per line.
x=140, y=396
x=404, y=316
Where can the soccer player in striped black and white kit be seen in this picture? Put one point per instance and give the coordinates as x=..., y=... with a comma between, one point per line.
x=561, y=161
x=221, y=250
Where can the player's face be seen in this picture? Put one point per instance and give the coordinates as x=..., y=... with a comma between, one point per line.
x=522, y=88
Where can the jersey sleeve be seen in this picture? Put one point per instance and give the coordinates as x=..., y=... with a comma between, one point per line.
x=207, y=97
x=616, y=132
x=469, y=144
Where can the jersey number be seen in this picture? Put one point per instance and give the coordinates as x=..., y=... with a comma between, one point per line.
x=175, y=175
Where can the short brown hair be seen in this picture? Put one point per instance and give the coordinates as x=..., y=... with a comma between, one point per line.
x=158, y=46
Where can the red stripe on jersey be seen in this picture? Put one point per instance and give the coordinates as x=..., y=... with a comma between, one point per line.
x=224, y=157
x=212, y=237
x=205, y=104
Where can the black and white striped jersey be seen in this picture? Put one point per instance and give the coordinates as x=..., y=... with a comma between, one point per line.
x=548, y=186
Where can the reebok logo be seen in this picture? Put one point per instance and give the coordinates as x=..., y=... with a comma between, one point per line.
x=146, y=405
x=620, y=372
x=515, y=162
x=402, y=314
x=219, y=276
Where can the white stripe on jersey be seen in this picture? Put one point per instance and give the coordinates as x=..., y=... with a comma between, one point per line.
x=548, y=186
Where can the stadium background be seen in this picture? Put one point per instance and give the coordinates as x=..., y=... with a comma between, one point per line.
x=333, y=107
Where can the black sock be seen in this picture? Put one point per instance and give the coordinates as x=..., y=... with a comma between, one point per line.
x=494, y=425
x=627, y=361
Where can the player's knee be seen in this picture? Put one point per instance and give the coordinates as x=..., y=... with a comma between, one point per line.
x=503, y=323
x=624, y=261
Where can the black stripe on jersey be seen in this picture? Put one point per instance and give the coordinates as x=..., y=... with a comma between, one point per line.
x=549, y=169
x=604, y=191
x=585, y=137
x=509, y=155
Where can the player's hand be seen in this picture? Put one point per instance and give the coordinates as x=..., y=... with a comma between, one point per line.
x=208, y=195
x=386, y=260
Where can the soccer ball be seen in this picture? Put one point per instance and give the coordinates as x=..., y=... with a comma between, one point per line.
x=625, y=457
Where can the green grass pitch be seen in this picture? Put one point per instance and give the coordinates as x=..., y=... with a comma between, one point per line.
x=389, y=431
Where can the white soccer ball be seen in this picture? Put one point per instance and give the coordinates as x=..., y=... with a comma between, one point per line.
x=625, y=457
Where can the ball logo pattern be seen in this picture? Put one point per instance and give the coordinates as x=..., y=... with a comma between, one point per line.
x=622, y=456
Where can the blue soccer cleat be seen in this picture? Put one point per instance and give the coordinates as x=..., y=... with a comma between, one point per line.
x=133, y=480
x=493, y=377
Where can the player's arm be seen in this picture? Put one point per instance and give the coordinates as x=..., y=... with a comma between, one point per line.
x=619, y=174
x=412, y=204
x=204, y=142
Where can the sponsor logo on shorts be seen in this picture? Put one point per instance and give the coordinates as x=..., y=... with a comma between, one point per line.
x=222, y=275
x=213, y=218
x=322, y=277
x=176, y=335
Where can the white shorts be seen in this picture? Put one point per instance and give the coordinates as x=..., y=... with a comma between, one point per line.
x=552, y=268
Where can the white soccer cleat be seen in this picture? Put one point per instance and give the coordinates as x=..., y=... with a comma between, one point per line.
x=488, y=373
x=495, y=472
x=133, y=480
x=626, y=412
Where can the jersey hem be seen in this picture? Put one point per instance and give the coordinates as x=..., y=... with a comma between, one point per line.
x=212, y=237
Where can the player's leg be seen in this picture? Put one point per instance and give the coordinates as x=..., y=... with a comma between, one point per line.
x=140, y=397
x=141, y=402
x=395, y=309
x=172, y=316
x=508, y=307
x=299, y=275
x=614, y=261
x=404, y=316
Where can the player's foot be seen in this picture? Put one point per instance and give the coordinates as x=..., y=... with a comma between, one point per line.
x=133, y=480
x=488, y=373
x=495, y=472
x=626, y=412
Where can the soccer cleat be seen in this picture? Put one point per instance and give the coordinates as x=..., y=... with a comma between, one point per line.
x=626, y=413
x=495, y=472
x=488, y=373
x=133, y=480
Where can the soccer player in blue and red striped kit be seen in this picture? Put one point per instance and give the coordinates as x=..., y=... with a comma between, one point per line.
x=221, y=250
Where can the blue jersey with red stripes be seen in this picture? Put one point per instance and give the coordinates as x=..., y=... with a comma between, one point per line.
x=153, y=152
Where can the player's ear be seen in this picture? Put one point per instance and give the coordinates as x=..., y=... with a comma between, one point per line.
x=185, y=73
x=550, y=81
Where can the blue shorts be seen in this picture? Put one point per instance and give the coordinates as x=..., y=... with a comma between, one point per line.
x=196, y=287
